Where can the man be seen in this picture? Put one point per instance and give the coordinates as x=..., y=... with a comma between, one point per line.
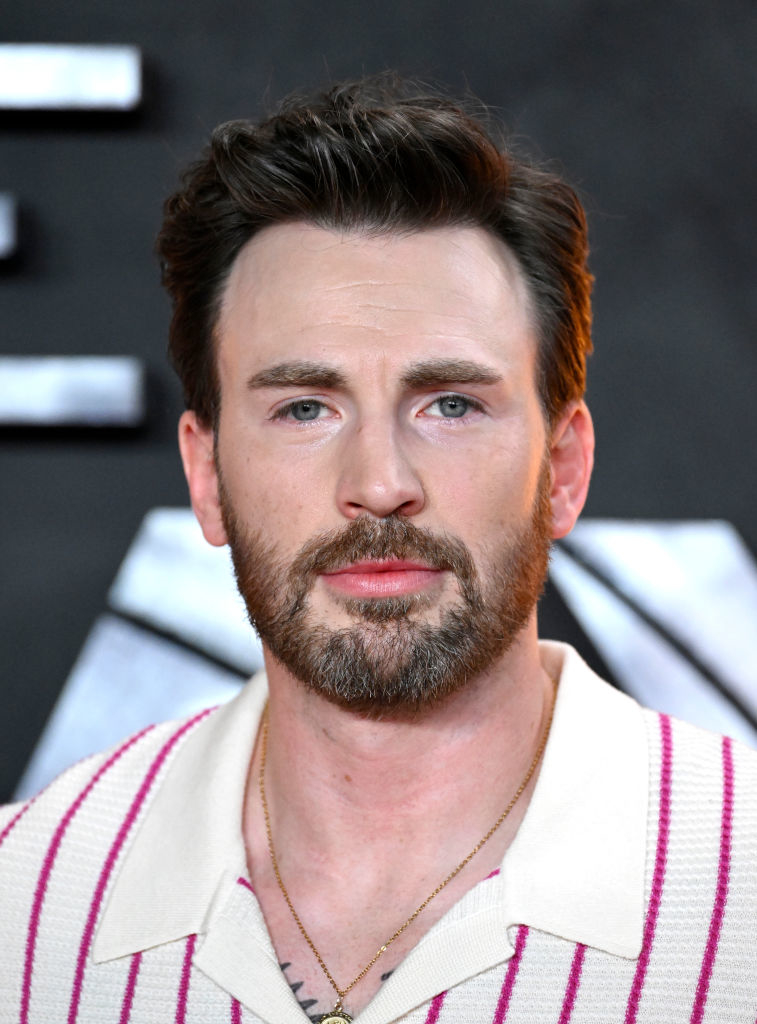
x=381, y=322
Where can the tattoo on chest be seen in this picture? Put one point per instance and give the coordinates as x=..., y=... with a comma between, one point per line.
x=308, y=1004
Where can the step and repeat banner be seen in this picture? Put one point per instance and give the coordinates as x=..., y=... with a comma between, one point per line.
x=113, y=611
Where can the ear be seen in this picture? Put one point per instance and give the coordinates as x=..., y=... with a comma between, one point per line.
x=572, y=459
x=196, y=447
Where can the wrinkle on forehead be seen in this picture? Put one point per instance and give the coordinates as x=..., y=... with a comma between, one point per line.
x=299, y=289
x=257, y=267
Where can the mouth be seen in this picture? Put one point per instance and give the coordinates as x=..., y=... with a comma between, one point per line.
x=385, y=578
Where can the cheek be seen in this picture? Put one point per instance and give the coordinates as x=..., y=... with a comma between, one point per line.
x=284, y=498
x=488, y=488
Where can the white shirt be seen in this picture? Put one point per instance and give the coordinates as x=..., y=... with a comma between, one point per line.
x=628, y=895
x=575, y=868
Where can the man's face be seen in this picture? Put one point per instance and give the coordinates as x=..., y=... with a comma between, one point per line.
x=382, y=457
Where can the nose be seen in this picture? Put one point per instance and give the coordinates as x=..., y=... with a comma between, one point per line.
x=375, y=476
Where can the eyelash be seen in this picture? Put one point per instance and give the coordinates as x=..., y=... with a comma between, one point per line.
x=473, y=405
x=284, y=411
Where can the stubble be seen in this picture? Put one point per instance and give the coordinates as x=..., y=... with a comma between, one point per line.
x=398, y=654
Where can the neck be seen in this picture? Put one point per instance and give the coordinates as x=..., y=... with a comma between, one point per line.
x=369, y=817
x=447, y=770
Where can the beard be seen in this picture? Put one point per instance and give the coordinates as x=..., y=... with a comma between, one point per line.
x=391, y=659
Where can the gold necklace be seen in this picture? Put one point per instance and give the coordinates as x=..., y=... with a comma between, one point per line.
x=338, y=1015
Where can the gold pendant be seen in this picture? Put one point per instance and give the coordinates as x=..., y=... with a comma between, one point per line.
x=334, y=1017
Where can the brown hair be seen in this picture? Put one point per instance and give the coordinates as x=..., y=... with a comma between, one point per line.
x=381, y=156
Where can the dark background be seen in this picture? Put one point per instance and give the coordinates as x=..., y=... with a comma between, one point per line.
x=648, y=108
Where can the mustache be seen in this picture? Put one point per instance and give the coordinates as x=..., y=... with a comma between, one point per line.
x=380, y=539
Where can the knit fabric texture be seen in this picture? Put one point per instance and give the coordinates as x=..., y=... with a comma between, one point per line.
x=60, y=852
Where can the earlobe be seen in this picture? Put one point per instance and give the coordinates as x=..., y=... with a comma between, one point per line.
x=197, y=456
x=572, y=460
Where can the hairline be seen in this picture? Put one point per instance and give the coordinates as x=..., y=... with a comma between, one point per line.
x=510, y=261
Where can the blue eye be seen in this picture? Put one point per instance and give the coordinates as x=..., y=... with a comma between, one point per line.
x=302, y=411
x=451, y=406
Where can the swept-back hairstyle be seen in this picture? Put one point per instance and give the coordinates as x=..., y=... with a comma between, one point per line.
x=377, y=155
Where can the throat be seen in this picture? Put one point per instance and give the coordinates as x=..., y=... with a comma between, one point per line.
x=303, y=919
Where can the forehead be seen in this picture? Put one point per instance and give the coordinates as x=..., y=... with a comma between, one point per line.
x=301, y=290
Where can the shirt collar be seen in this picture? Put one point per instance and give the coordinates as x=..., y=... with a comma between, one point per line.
x=575, y=868
x=191, y=834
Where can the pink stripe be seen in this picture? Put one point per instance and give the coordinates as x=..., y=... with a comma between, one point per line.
x=131, y=985
x=574, y=980
x=492, y=874
x=243, y=881
x=512, y=972
x=721, y=893
x=11, y=824
x=186, y=970
x=47, y=867
x=236, y=1012
x=435, y=1008
x=112, y=857
x=16, y=817
x=658, y=879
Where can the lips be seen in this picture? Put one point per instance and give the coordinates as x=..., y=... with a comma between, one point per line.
x=386, y=578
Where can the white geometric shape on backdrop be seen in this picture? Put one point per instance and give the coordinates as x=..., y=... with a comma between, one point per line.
x=175, y=581
x=124, y=679
x=88, y=391
x=699, y=581
x=52, y=76
x=8, y=225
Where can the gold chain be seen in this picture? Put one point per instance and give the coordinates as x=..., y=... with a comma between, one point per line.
x=342, y=992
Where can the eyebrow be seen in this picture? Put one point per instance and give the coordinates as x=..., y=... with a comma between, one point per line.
x=443, y=372
x=429, y=373
x=297, y=374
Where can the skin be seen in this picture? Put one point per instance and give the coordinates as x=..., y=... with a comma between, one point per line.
x=390, y=806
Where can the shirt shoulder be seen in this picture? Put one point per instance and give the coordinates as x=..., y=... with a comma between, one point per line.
x=63, y=845
x=696, y=753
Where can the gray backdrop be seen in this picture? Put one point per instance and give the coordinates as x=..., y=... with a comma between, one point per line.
x=649, y=108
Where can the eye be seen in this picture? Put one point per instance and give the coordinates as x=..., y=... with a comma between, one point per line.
x=303, y=410
x=452, y=406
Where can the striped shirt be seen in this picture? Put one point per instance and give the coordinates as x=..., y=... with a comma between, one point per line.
x=628, y=895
